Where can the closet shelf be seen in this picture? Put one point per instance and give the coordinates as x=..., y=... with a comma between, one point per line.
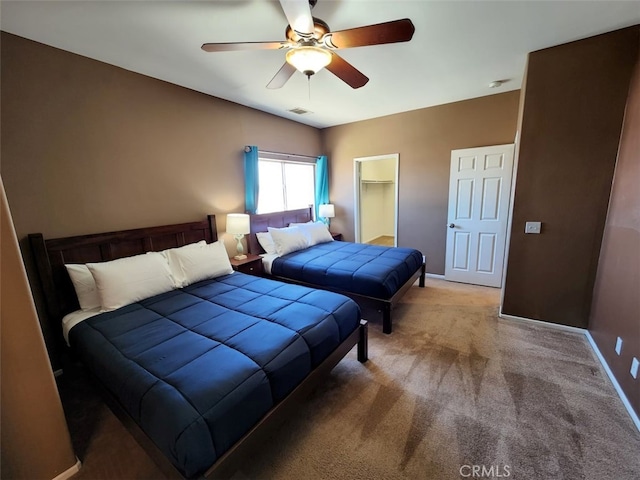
x=377, y=181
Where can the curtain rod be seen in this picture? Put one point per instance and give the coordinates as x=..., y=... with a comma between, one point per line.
x=287, y=154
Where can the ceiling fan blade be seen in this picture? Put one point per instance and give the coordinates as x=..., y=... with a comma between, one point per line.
x=280, y=78
x=346, y=72
x=378, y=34
x=235, y=46
x=298, y=15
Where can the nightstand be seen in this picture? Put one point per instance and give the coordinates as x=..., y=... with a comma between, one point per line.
x=251, y=265
x=336, y=236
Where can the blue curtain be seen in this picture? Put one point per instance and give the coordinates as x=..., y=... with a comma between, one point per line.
x=322, y=182
x=251, y=184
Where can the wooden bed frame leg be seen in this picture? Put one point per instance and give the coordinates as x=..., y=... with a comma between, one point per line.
x=386, y=318
x=363, y=342
x=422, y=274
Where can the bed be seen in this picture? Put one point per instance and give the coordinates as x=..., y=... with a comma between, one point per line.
x=199, y=374
x=375, y=277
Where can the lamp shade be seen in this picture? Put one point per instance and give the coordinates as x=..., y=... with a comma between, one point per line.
x=238, y=223
x=308, y=60
x=327, y=211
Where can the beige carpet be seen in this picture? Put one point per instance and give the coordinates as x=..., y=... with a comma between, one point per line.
x=452, y=389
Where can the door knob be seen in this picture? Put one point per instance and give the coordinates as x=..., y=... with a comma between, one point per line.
x=451, y=225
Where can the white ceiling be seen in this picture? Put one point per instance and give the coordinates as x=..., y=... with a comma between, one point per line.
x=458, y=48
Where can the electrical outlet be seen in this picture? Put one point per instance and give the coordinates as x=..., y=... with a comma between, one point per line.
x=618, y=345
x=634, y=367
x=532, y=227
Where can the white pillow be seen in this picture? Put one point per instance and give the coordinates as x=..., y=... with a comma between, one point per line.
x=130, y=279
x=266, y=242
x=288, y=239
x=174, y=265
x=197, y=264
x=315, y=233
x=85, y=286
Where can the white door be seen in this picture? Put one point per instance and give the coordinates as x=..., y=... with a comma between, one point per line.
x=479, y=189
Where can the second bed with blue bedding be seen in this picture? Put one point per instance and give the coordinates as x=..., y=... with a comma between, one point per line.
x=302, y=251
x=197, y=367
x=369, y=270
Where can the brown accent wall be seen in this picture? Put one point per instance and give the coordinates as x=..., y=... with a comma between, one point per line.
x=88, y=147
x=35, y=440
x=573, y=108
x=424, y=139
x=616, y=300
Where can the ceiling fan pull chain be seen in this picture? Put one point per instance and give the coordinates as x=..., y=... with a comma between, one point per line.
x=309, y=85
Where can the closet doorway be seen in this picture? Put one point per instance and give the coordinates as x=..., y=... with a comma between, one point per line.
x=376, y=199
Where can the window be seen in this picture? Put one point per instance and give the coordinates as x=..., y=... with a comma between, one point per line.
x=285, y=185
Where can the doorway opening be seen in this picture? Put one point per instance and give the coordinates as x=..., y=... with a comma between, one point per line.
x=376, y=199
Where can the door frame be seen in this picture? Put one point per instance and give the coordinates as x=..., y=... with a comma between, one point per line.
x=357, y=163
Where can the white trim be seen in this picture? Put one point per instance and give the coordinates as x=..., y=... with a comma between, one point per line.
x=596, y=350
x=431, y=275
x=616, y=385
x=541, y=323
x=70, y=472
x=512, y=201
x=434, y=275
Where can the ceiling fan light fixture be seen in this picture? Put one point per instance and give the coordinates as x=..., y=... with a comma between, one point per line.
x=308, y=59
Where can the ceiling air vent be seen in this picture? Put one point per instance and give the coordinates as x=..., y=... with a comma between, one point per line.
x=299, y=111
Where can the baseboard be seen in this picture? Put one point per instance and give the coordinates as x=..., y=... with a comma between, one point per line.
x=540, y=323
x=616, y=385
x=434, y=275
x=70, y=472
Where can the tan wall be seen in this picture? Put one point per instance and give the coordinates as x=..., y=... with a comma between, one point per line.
x=88, y=147
x=424, y=139
x=572, y=115
x=35, y=440
x=616, y=304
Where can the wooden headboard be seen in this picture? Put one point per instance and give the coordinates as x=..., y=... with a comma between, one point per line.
x=259, y=223
x=50, y=257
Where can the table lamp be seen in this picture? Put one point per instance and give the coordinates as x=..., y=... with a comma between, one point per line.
x=238, y=225
x=326, y=211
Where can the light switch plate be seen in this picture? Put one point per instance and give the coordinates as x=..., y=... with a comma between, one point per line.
x=532, y=227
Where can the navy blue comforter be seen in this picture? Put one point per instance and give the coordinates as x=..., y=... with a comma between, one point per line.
x=369, y=270
x=198, y=367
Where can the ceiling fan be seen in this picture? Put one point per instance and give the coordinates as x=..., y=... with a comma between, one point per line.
x=311, y=45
